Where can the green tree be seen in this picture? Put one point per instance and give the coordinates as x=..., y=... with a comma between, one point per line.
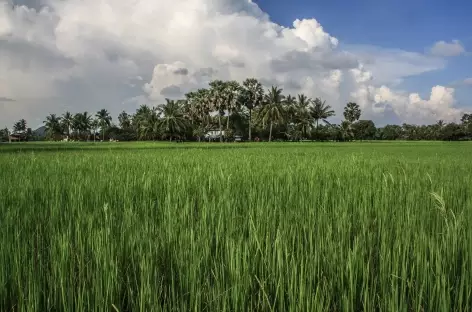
x=94, y=126
x=53, y=126
x=172, y=119
x=5, y=135
x=272, y=111
x=467, y=124
x=321, y=111
x=352, y=112
x=364, y=130
x=142, y=122
x=303, y=117
x=252, y=96
x=391, y=132
x=82, y=124
x=66, y=122
x=232, y=90
x=124, y=120
x=104, y=120
x=19, y=128
x=217, y=96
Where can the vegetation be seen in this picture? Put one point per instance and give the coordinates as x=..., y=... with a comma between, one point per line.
x=231, y=109
x=246, y=227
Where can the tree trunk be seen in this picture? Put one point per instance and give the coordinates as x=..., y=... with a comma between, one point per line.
x=250, y=124
x=170, y=138
x=103, y=134
x=270, y=132
x=221, y=130
x=227, y=120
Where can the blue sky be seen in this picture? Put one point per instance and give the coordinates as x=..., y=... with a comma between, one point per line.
x=410, y=25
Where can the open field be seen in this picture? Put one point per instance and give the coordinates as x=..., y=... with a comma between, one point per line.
x=236, y=227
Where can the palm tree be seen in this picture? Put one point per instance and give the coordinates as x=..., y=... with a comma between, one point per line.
x=141, y=121
x=197, y=107
x=290, y=104
x=172, y=120
x=304, y=120
x=217, y=96
x=104, y=120
x=252, y=96
x=94, y=125
x=53, y=126
x=321, y=111
x=20, y=127
x=272, y=110
x=231, y=94
x=352, y=112
x=82, y=124
x=303, y=102
x=124, y=120
x=66, y=122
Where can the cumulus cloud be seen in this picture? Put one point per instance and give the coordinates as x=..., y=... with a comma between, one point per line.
x=447, y=49
x=117, y=54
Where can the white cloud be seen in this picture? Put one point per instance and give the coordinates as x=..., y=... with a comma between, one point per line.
x=411, y=107
x=443, y=48
x=117, y=54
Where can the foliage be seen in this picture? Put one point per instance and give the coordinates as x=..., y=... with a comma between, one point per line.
x=244, y=110
x=54, y=128
x=4, y=134
x=272, y=111
x=172, y=122
x=252, y=96
x=352, y=112
x=364, y=130
x=321, y=111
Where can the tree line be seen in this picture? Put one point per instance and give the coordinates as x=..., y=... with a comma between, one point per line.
x=228, y=109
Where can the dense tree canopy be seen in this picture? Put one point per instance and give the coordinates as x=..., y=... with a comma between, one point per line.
x=227, y=109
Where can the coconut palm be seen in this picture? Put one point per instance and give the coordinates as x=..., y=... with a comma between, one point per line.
x=272, y=111
x=53, y=126
x=197, y=108
x=20, y=128
x=252, y=95
x=82, y=124
x=290, y=107
x=66, y=122
x=95, y=125
x=124, y=120
x=321, y=111
x=104, y=120
x=173, y=121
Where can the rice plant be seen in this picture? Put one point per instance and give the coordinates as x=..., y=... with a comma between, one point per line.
x=224, y=227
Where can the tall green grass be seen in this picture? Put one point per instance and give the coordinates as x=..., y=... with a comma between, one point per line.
x=280, y=227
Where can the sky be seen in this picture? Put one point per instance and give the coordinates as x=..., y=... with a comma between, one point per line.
x=401, y=61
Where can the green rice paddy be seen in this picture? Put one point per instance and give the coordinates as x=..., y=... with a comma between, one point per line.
x=236, y=227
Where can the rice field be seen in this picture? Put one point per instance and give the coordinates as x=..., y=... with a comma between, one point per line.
x=236, y=227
